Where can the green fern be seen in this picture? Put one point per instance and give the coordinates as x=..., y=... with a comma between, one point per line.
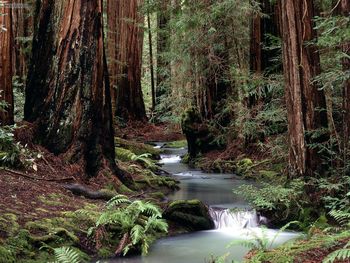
x=67, y=255
x=141, y=221
x=128, y=156
x=340, y=254
x=342, y=217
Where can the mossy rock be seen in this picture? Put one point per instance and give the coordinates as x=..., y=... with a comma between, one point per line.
x=192, y=214
x=176, y=144
x=138, y=148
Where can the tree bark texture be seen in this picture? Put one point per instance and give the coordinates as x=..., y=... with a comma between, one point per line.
x=6, y=43
x=68, y=93
x=127, y=61
x=304, y=100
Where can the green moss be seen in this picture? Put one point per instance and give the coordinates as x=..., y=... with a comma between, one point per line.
x=192, y=214
x=123, y=189
x=176, y=144
x=59, y=235
x=9, y=224
x=6, y=255
x=137, y=148
x=158, y=195
x=53, y=199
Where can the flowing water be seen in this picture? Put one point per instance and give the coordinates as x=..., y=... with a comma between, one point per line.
x=216, y=191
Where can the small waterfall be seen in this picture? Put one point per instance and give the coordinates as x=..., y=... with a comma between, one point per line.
x=225, y=218
x=170, y=159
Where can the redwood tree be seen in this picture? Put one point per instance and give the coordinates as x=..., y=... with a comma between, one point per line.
x=126, y=36
x=6, y=43
x=305, y=102
x=67, y=94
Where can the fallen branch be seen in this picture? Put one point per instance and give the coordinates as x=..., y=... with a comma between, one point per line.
x=80, y=190
x=36, y=178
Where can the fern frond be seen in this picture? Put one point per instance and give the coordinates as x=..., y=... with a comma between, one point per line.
x=341, y=254
x=137, y=234
x=342, y=217
x=67, y=255
x=150, y=209
x=118, y=200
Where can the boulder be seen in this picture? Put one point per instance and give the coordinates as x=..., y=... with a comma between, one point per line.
x=191, y=214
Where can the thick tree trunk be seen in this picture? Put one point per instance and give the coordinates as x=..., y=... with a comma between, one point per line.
x=68, y=93
x=127, y=58
x=303, y=98
x=6, y=44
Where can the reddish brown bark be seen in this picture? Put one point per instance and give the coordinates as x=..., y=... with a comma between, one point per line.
x=127, y=61
x=112, y=48
x=6, y=43
x=303, y=98
x=68, y=93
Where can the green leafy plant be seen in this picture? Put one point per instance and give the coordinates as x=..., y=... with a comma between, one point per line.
x=340, y=254
x=10, y=151
x=272, y=196
x=136, y=222
x=67, y=255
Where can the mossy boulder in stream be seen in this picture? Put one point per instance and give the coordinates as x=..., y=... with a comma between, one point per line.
x=192, y=214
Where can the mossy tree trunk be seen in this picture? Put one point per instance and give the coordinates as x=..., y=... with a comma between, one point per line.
x=68, y=93
x=303, y=98
x=127, y=59
x=6, y=44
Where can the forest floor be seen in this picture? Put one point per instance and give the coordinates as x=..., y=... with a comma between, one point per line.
x=35, y=198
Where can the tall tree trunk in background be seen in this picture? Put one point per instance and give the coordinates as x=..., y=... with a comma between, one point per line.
x=163, y=66
x=129, y=98
x=151, y=64
x=6, y=44
x=303, y=98
x=345, y=11
x=68, y=93
x=22, y=31
x=112, y=48
x=263, y=28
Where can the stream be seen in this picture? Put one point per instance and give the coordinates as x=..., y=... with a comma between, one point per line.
x=216, y=191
